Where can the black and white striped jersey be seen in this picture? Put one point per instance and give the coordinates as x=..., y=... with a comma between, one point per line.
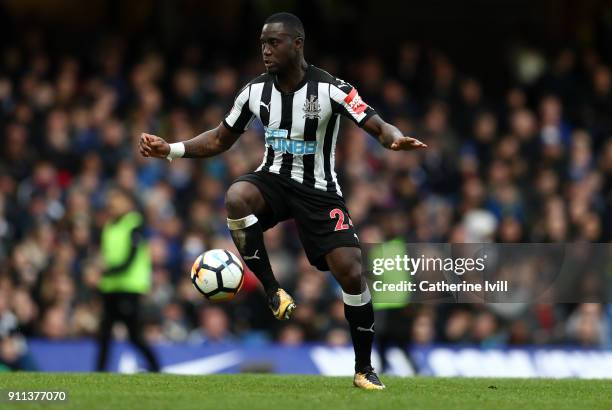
x=301, y=127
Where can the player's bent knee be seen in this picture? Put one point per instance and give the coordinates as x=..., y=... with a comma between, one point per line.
x=243, y=199
x=344, y=259
x=236, y=201
x=350, y=279
x=345, y=265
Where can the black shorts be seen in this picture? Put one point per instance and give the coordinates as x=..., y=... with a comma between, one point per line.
x=321, y=217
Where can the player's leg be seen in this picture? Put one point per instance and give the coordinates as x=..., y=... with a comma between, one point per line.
x=345, y=265
x=244, y=203
x=331, y=243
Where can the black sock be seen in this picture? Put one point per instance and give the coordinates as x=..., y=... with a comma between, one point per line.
x=248, y=238
x=361, y=323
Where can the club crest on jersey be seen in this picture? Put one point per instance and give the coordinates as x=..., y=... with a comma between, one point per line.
x=312, y=109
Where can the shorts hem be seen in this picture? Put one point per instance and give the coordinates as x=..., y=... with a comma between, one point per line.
x=319, y=260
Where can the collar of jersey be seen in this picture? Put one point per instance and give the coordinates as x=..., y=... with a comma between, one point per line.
x=297, y=87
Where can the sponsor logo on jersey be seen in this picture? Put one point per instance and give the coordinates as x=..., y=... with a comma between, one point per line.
x=355, y=102
x=277, y=139
x=312, y=109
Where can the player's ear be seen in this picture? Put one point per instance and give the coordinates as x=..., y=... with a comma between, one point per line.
x=299, y=42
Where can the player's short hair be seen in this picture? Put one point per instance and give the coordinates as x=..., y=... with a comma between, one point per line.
x=290, y=21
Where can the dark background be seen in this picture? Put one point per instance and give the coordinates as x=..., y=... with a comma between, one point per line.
x=478, y=35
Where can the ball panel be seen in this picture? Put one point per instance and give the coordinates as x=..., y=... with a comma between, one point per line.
x=232, y=277
x=215, y=257
x=240, y=284
x=221, y=296
x=195, y=285
x=206, y=280
x=235, y=259
x=195, y=267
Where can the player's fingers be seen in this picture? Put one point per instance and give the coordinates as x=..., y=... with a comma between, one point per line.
x=146, y=145
x=150, y=139
x=401, y=143
x=407, y=143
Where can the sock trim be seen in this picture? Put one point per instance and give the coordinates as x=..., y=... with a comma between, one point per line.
x=357, y=300
x=235, y=224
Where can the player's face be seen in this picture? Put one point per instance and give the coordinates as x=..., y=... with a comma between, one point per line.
x=278, y=47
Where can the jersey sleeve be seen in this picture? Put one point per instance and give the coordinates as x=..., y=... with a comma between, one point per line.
x=346, y=101
x=240, y=116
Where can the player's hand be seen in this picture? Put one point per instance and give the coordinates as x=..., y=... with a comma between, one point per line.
x=153, y=146
x=406, y=144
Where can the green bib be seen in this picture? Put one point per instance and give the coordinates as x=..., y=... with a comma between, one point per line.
x=115, y=247
x=389, y=250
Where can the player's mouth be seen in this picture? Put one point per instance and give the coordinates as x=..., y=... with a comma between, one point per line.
x=269, y=63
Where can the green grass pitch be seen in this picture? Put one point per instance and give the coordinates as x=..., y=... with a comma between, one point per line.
x=275, y=392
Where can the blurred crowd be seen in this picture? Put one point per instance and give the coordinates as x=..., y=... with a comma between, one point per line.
x=532, y=164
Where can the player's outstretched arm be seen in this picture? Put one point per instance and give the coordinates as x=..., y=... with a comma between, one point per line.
x=207, y=144
x=390, y=136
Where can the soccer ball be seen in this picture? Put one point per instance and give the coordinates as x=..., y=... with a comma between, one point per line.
x=217, y=274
